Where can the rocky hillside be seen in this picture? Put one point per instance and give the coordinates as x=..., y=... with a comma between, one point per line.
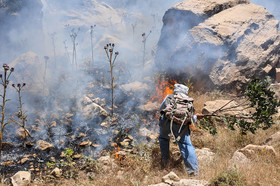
x=223, y=42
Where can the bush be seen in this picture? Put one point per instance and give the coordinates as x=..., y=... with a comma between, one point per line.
x=228, y=177
x=256, y=96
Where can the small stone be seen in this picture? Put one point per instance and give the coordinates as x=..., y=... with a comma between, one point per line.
x=170, y=177
x=52, y=159
x=23, y=134
x=43, y=145
x=95, y=145
x=124, y=144
x=114, y=144
x=8, y=163
x=23, y=160
x=69, y=115
x=82, y=135
x=85, y=143
x=77, y=156
x=56, y=172
x=105, y=124
x=130, y=137
x=62, y=155
x=53, y=124
x=90, y=95
x=21, y=178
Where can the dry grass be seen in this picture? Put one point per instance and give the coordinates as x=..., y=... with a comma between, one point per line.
x=144, y=166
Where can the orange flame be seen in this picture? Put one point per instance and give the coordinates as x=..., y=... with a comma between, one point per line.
x=163, y=88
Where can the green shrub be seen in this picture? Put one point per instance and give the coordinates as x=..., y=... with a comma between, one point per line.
x=229, y=177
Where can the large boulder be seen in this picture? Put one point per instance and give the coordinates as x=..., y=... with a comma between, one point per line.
x=21, y=178
x=224, y=43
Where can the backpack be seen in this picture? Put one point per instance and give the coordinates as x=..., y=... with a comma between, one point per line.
x=179, y=109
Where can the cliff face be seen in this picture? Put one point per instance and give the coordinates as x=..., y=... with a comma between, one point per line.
x=224, y=42
x=21, y=27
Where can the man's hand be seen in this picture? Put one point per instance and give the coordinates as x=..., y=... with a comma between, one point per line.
x=199, y=116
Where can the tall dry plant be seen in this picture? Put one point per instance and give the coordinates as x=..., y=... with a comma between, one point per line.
x=109, y=49
x=91, y=44
x=73, y=35
x=21, y=114
x=4, y=82
x=145, y=37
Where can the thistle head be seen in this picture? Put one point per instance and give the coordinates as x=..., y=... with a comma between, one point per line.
x=18, y=85
x=6, y=67
x=105, y=47
x=13, y=85
x=23, y=84
x=110, y=50
x=116, y=53
x=12, y=69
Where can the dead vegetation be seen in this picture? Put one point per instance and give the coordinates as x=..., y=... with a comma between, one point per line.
x=141, y=164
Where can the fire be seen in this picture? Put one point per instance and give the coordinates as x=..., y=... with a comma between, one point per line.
x=163, y=88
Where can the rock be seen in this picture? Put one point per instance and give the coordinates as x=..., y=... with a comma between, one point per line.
x=43, y=145
x=277, y=79
x=149, y=134
x=274, y=140
x=107, y=163
x=82, y=135
x=212, y=106
x=77, y=156
x=170, y=178
x=105, y=160
x=276, y=88
x=86, y=143
x=160, y=184
x=53, y=124
x=87, y=100
x=8, y=163
x=219, y=43
x=204, y=156
x=255, y=150
x=21, y=178
x=23, y=160
x=149, y=106
x=52, y=159
x=92, y=110
x=23, y=134
x=239, y=159
x=191, y=182
x=95, y=145
x=136, y=86
x=124, y=143
x=56, y=172
x=105, y=124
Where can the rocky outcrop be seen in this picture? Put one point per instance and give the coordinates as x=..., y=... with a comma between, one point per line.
x=244, y=156
x=223, y=42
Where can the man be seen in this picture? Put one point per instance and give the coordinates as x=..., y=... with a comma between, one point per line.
x=185, y=145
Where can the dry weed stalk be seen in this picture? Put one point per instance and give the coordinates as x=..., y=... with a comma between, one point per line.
x=91, y=43
x=73, y=35
x=145, y=37
x=21, y=114
x=53, y=43
x=109, y=49
x=4, y=82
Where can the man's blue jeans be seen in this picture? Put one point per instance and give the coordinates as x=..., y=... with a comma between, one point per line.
x=185, y=145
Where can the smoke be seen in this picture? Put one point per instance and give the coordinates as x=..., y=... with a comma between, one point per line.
x=39, y=44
